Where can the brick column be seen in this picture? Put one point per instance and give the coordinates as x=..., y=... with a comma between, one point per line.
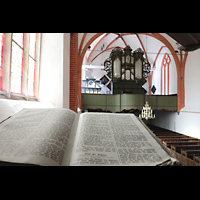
x=73, y=102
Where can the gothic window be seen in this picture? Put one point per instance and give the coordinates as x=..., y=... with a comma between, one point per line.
x=165, y=74
x=19, y=70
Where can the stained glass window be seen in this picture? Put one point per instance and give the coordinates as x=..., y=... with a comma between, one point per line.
x=32, y=64
x=1, y=58
x=17, y=62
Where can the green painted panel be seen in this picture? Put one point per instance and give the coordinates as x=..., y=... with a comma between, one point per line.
x=167, y=101
x=113, y=99
x=127, y=101
x=126, y=107
x=113, y=108
x=152, y=100
x=85, y=107
x=132, y=100
x=93, y=99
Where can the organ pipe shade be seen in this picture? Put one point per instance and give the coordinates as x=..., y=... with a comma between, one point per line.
x=117, y=68
x=138, y=69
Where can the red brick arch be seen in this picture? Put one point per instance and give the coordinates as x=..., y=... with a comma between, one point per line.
x=76, y=60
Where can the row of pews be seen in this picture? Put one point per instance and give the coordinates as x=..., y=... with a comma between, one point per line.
x=185, y=148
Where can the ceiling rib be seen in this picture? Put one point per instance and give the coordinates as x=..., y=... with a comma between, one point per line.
x=96, y=46
x=104, y=51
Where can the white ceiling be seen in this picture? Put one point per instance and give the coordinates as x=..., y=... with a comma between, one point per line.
x=98, y=54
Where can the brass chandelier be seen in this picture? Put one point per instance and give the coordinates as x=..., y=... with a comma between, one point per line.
x=147, y=112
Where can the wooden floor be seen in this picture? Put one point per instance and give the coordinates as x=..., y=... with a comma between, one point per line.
x=185, y=148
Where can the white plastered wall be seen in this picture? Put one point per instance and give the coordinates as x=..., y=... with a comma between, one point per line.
x=54, y=69
x=187, y=121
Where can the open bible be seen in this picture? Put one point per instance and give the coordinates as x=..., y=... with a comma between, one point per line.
x=61, y=137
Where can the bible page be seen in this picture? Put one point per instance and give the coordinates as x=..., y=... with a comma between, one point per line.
x=36, y=136
x=115, y=139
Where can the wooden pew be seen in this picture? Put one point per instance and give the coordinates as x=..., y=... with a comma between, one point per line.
x=179, y=139
x=196, y=160
x=184, y=148
x=176, y=150
x=165, y=134
x=188, y=155
x=168, y=143
x=173, y=136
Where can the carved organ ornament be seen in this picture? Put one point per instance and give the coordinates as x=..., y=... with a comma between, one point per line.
x=125, y=65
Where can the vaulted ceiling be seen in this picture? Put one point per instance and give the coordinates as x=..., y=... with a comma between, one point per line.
x=101, y=48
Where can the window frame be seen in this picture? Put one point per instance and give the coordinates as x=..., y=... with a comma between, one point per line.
x=22, y=64
x=2, y=56
x=7, y=64
x=34, y=59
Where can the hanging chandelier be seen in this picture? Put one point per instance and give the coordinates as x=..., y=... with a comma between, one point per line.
x=147, y=112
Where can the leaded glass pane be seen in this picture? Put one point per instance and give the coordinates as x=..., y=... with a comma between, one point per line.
x=1, y=53
x=18, y=37
x=16, y=68
x=32, y=45
x=31, y=72
x=32, y=63
x=1, y=59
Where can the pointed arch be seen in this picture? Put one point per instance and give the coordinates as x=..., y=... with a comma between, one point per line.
x=112, y=42
x=145, y=53
x=158, y=36
x=103, y=52
x=150, y=77
x=165, y=68
x=120, y=36
x=82, y=41
x=96, y=46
